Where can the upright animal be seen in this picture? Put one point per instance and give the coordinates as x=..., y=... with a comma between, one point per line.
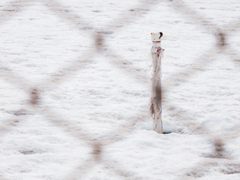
x=156, y=95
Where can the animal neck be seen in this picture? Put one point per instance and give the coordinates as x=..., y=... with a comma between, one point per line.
x=156, y=43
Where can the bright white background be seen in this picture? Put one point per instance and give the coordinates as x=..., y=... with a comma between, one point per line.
x=102, y=93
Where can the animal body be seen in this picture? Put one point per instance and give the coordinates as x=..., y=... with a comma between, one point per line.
x=156, y=95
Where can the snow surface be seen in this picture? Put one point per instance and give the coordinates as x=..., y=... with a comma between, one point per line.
x=100, y=94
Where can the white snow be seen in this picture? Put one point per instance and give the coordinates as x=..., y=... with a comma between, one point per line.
x=86, y=96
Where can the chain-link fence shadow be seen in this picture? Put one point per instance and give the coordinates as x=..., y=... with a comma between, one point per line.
x=99, y=35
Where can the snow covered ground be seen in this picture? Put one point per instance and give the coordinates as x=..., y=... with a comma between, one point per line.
x=86, y=95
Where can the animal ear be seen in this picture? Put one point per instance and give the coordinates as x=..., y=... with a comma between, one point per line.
x=161, y=34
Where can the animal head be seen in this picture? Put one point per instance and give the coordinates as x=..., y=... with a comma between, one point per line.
x=156, y=36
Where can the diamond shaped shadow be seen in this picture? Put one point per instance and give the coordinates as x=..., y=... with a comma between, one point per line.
x=42, y=43
x=36, y=149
